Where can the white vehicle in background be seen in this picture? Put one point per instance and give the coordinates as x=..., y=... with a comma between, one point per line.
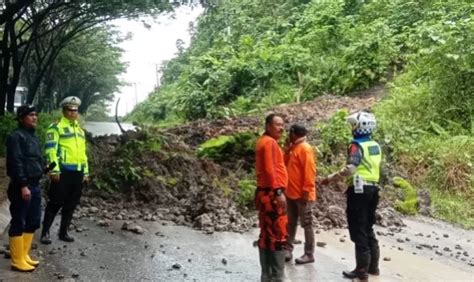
x=20, y=96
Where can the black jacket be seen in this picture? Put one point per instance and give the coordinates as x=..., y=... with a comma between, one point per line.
x=24, y=157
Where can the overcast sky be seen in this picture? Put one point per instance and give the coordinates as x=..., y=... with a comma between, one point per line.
x=148, y=47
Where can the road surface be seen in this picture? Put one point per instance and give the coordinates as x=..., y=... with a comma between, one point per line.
x=111, y=254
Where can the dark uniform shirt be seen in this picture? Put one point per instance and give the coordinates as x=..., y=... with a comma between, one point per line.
x=24, y=157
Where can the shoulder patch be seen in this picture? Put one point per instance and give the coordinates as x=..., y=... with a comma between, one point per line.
x=354, y=148
x=374, y=150
x=49, y=136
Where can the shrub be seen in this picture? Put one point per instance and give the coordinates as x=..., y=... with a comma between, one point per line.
x=335, y=134
x=226, y=147
x=409, y=204
x=247, y=192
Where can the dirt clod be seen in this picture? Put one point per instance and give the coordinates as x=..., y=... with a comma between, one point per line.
x=321, y=244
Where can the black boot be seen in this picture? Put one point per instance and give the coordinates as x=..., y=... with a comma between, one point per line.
x=63, y=229
x=47, y=222
x=360, y=272
x=374, y=261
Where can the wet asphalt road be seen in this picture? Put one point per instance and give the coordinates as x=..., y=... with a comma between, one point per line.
x=105, y=128
x=110, y=254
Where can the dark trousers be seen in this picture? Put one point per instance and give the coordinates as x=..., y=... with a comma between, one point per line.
x=273, y=265
x=26, y=215
x=65, y=194
x=360, y=219
x=303, y=212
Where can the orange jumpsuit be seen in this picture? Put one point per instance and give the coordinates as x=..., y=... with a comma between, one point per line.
x=271, y=175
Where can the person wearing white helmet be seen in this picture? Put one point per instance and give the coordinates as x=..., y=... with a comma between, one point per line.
x=362, y=173
x=66, y=146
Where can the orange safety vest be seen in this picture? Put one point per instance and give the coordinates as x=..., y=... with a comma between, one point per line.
x=301, y=166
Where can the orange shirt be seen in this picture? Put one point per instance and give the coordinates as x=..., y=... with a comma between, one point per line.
x=301, y=165
x=269, y=164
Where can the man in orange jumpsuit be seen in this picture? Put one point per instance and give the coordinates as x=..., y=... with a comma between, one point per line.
x=301, y=191
x=270, y=201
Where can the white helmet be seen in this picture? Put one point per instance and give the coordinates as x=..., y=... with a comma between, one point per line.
x=363, y=123
x=71, y=101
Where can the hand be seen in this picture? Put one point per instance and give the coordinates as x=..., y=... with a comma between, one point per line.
x=25, y=193
x=305, y=197
x=54, y=177
x=86, y=179
x=280, y=204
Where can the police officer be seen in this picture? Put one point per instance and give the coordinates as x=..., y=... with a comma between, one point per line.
x=66, y=146
x=24, y=167
x=363, y=174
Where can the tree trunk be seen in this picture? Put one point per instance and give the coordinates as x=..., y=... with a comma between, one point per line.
x=4, y=67
x=16, y=66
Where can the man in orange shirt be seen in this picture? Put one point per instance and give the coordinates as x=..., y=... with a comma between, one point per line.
x=301, y=191
x=270, y=200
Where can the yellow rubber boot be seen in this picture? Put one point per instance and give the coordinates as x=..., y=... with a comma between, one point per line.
x=17, y=258
x=27, y=240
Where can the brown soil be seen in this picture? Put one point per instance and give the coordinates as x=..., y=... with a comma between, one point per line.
x=173, y=184
x=308, y=113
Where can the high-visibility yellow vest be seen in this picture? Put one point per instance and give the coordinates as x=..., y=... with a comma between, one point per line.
x=66, y=146
x=369, y=168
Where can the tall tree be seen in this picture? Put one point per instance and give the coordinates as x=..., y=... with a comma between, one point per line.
x=45, y=27
x=88, y=67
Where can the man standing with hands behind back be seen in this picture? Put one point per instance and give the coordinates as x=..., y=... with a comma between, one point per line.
x=301, y=191
x=24, y=167
x=65, y=146
x=270, y=200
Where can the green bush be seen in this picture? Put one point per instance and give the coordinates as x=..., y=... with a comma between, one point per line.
x=453, y=207
x=226, y=147
x=409, y=204
x=7, y=125
x=247, y=192
x=335, y=134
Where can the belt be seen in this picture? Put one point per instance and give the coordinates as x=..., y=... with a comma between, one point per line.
x=264, y=189
x=371, y=183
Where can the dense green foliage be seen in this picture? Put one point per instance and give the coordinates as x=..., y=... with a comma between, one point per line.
x=248, y=55
x=428, y=120
x=34, y=32
x=88, y=67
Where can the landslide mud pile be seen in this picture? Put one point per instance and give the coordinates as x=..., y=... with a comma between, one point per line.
x=169, y=183
x=157, y=175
